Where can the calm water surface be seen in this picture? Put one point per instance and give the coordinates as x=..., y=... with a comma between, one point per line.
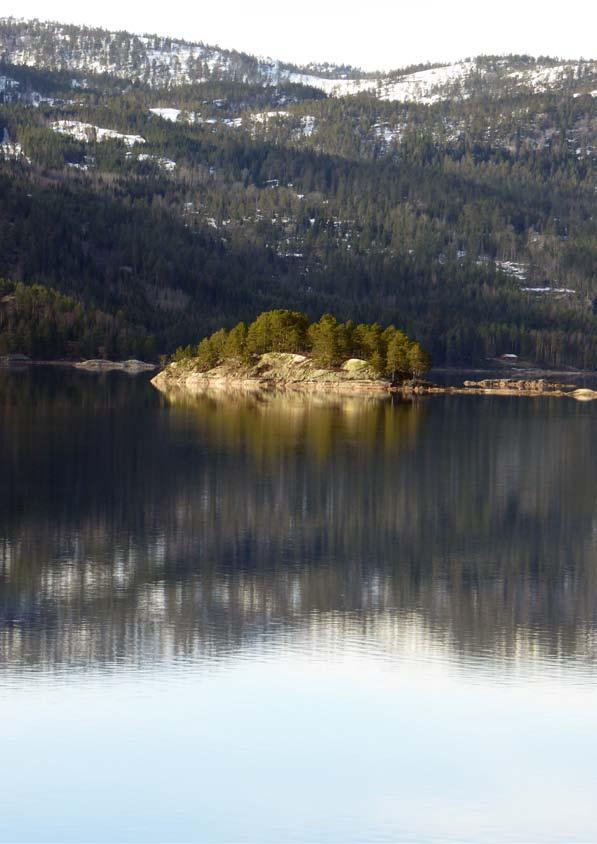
x=286, y=621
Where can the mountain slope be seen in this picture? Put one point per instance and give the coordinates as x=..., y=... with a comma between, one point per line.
x=160, y=62
x=151, y=59
x=468, y=221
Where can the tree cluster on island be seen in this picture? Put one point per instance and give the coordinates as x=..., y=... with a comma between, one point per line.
x=388, y=351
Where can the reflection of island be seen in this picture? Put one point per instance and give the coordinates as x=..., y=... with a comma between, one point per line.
x=135, y=530
x=266, y=424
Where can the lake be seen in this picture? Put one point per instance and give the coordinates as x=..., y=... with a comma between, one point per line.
x=289, y=620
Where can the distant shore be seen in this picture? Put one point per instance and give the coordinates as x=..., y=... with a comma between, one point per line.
x=93, y=365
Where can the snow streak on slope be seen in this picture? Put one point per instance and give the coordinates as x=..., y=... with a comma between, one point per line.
x=452, y=81
x=427, y=86
x=544, y=78
x=305, y=125
x=333, y=87
x=87, y=132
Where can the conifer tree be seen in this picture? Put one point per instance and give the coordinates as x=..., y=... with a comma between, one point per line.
x=323, y=336
x=235, y=346
x=418, y=360
x=398, y=353
x=206, y=356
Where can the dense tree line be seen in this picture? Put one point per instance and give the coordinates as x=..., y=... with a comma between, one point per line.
x=329, y=343
x=40, y=322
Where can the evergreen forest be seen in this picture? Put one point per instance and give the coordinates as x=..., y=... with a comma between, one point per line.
x=467, y=221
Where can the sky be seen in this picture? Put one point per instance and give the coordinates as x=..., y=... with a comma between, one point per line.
x=372, y=34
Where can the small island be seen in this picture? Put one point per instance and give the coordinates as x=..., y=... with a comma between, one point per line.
x=283, y=350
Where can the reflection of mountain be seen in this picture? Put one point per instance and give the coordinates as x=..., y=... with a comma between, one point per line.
x=135, y=530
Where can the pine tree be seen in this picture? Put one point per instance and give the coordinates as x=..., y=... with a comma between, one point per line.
x=206, y=355
x=397, y=356
x=235, y=347
x=323, y=336
x=418, y=360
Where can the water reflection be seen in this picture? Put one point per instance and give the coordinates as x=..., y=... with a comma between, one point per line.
x=140, y=531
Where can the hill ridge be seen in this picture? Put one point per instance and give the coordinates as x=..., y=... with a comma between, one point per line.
x=164, y=61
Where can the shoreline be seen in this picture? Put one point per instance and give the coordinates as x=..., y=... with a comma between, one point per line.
x=523, y=373
x=295, y=374
x=248, y=387
x=284, y=372
x=506, y=371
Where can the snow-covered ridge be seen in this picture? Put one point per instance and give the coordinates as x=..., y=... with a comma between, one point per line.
x=166, y=62
x=422, y=86
x=452, y=81
x=151, y=59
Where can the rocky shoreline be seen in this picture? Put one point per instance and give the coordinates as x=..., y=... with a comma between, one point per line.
x=272, y=371
x=95, y=365
x=284, y=372
x=100, y=365
x=508, y=387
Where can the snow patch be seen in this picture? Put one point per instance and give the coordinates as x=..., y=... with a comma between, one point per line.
x=513, y=268
x=265, y=116
x=544, y=290
x=171, y=114
x=387, y=133
x=11, y=150
x=425, y=86
x=88, y=133
x=162, y=162
x=333, y=87
x=309, y=124
x=544, y=78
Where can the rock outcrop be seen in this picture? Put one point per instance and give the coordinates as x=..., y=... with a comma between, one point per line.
x=520, y=386
x=509, y=387
x=274, y=370
x=100, y=365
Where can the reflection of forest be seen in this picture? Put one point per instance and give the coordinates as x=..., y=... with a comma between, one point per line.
x=133, y=529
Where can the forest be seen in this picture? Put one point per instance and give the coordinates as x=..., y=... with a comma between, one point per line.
x=468, y=222
x=43, y=324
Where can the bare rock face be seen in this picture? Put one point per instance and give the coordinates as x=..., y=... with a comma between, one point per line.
x=273, y=370
x=100, y=365
x=358, y=366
